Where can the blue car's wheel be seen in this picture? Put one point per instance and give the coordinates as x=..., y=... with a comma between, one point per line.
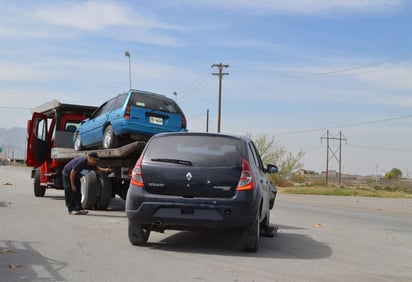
x=78, y=142
x=109, y=139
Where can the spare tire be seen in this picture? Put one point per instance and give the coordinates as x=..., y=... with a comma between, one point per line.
x=89, y=188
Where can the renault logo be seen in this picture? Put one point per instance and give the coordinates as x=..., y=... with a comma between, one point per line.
x=189, y=176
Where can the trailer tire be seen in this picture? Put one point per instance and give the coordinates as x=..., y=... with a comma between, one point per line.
x=122, y=189
x=89, y=189
x=39, y=190
x=105, y=191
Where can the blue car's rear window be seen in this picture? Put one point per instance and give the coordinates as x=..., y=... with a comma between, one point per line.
x=156, y=103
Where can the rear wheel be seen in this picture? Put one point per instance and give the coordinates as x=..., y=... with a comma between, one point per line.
x=250, y=236
x=105, y=192
x=89, y=189
x=39, y=190
x=109, y=139
x=138, y=234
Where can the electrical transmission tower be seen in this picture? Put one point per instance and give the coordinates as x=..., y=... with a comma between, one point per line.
x=220, y=74
x=330, y=153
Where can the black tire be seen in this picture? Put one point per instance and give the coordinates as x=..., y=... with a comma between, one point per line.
x=105, y=191
x=264, y=225
x=109, y=139
x=272, y=199
x=251, y=235
x=89, y=189
x=138, y=234
x=78, y=143
x=122, y=189
x=266, y=230
x=39, y=190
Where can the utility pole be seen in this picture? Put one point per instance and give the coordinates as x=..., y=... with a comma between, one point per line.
x=207, y=120
x=220, y=74
x=333, y=153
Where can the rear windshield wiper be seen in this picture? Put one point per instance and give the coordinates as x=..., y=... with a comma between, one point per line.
x=175, y=161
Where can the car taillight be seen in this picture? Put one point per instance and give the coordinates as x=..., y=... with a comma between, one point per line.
x=137, y=178
x=127, y=113
x=246, y=179
x=183, y=121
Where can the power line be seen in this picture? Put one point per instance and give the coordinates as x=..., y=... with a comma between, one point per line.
x=14, y=108
x=342, y=126
x=357, y=69
x=365, y=66
x=198, y=83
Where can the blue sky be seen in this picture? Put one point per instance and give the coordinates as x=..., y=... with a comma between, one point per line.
x=297, y=67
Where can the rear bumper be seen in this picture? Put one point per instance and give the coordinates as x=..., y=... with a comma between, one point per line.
x=171, y=212
x=130, y=127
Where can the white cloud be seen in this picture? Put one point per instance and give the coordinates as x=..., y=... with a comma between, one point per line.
x=306, y=6
x=395, y=79
x=96, y=15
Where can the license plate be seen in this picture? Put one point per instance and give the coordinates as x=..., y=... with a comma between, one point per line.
x=156, y=120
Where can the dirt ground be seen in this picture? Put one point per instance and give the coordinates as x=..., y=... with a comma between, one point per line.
x=383, y=205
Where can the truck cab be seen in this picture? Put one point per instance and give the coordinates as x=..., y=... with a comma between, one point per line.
x=52, y=125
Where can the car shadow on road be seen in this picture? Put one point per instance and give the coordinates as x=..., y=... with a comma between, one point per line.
x=25, y=263
x=286, y=244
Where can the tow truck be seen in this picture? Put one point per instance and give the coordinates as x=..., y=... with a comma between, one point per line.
x=50, y=146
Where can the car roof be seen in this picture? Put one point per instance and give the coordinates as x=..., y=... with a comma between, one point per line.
x=194, y=133
x=149, y=93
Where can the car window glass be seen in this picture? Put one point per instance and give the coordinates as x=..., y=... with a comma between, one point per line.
x=109, y=106
x=154, y=102
x=256, y=156
x=199, y=150
x=98, y=111
x=41, y=129
x=120, y=101
x=106, y=107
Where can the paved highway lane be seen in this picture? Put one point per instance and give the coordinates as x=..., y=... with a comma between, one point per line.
x=319, y=239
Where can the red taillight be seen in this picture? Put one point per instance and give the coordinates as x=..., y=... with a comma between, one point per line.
x=183, y=121
x=137, y=178
x=246, y=179
x=127, y=113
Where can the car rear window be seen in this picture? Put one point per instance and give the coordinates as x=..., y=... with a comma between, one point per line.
x=200, y=151
x=154, y=102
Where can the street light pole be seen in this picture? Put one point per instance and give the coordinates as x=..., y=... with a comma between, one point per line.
x=127, y=54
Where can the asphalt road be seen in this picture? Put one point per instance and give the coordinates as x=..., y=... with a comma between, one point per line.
x=319, y=239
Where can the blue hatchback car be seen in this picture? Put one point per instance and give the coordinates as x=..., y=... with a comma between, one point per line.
x=135, y=115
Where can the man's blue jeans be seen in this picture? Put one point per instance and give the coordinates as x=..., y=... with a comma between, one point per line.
x=73, y=199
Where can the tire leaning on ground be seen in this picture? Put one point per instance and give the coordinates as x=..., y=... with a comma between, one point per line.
x=105, y=191
x=39, y=190
x=138, y=234
x=89, y=188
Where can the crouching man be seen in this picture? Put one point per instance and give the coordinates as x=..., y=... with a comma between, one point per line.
x=72, y=172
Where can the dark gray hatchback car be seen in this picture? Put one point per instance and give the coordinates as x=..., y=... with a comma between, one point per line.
x=200, y=181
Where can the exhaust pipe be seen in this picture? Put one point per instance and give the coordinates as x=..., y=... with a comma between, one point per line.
x=159, y=222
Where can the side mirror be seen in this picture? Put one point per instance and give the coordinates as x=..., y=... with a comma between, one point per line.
x=272, y=168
